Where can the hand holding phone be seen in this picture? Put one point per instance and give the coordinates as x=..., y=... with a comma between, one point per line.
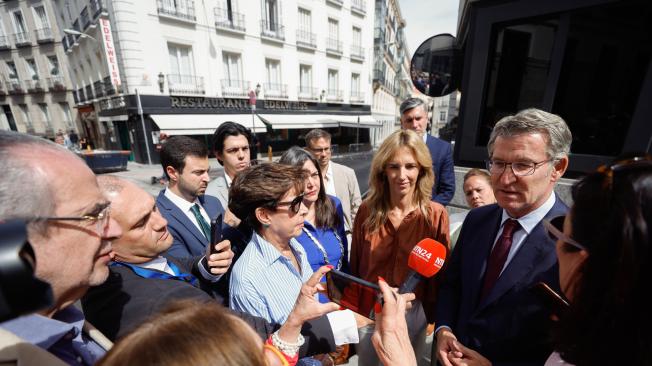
x=353, y=293
x=216, y=235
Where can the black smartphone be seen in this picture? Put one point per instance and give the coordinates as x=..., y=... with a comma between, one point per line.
x=353, y=293
x=216, y=235
x=556, y=302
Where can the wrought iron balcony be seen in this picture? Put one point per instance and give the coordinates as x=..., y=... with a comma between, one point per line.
x=98, y=88
x=44, y=35
x=181, y=9
x=275, y=90
x=109, y=88
x=35, y=84
x=334, y=95
x=97, y=8
x=357, y=53
x=357, y=97
x=272, y=29
x=336, y=2
x=15, y=86
x=56, y=83
x=80, y=95
x=359, y=6
x=308, y=93
x=5, y=44
x=22, y=39
x=186, y=84
x=234, y=88
x=229, y=21
x=89, y=92
x=379, y=76
x=333, y=46
x=306, y=39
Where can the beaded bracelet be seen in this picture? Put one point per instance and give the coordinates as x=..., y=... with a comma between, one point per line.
x=289, y=349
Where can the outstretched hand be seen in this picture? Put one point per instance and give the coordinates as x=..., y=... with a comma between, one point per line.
x=391, y=339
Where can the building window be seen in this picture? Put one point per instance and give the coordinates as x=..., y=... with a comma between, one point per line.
x=357, y=37
x=333, y=29
x=305, y=20
x=442, y=116
x=334, y=92
x=305, y=79
x=271, y=18
x=19, y=23
x=66, y=114
x=31, y=68
x=273, y=68
x=182, y=78
x=232, y=68
x=11, y=70
x=355, y=87
x=53, y=63
x=41, y=18
x=27, y=119
x=45, y=115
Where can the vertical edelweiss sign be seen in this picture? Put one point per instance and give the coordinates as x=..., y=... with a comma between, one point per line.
x=109, y=52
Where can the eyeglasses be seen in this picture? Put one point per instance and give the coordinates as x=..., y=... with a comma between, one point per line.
x=101, y=219
x=621, y=165
x=295, y=204
x=497, y=167
x=555, y=226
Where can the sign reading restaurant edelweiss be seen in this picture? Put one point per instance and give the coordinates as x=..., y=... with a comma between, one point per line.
x=232, y=103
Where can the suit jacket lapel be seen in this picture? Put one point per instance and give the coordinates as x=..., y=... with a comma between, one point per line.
x=477, y=264
x=178, y=215
x=525, y=259
x=211, y=210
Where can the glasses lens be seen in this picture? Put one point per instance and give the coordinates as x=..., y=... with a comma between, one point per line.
x=522, y=168
x=296, y=204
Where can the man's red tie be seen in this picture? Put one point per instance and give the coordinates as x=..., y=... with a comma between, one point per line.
x=498, y=257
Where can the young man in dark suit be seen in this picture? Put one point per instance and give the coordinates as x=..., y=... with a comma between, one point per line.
x=486, y=300
x=415, y=117
x=183, y=203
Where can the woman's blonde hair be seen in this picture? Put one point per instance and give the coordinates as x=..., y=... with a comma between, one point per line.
x=378, y=200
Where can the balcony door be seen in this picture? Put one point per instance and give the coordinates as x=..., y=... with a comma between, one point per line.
x=41, y=17
x=271, y=15
x=181, y=66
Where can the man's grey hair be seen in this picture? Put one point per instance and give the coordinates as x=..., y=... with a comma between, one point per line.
x=532, y=120
x=411, y=103
x=24, y=189
x=316, y=134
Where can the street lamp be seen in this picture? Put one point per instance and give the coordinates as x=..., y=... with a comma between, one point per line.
x=257, y=89
x=161, y=82
x=78, y=33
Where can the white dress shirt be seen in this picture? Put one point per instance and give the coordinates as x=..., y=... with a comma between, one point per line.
x=329, y=184
x=161, y=264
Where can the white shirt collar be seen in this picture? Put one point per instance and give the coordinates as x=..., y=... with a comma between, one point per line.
x=179, y=201
x=228, y=180
x=529, y=221
x=159, y=263
x=329, y=171
x=425, y=137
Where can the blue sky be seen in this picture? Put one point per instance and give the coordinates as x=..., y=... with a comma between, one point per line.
x=426, y=18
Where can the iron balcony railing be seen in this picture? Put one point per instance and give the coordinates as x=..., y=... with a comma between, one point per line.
x=234, y=87
x=333, y=46
x=357, y=97
x=182, y=9
x=109, y=88
x=357, y=52
x=306, y=39
x=80, y=95
x=22, y=39
x=15, y=86
x=308, y=93
x=56, y=82
x=98, y=88
x=359, y=6
x=4, y=43
x=272, y=29
x=232, y=20
x=336, y=2
x=186, y=84
x=97, y=8
x=89, y=92
x=334, y=95
x=275, y=90
x=44, y=35
x=85, y=19
x=35, y=84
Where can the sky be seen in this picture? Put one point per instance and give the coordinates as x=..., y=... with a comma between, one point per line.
x=424, y=21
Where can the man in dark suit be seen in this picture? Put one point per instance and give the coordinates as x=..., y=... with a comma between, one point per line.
x=486, y=300
x=415, y=117
x=142, y=281
x=183, y=203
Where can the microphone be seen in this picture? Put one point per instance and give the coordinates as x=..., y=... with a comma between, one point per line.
x=426, y=259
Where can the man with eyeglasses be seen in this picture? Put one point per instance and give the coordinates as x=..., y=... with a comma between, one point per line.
x=183, y=203
x=486, y=301
x=339, y=180
x=70, y=231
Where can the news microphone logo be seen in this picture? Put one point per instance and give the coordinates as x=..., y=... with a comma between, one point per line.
x=426, y=259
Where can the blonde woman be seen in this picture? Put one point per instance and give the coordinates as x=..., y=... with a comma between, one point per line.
x=396, y=215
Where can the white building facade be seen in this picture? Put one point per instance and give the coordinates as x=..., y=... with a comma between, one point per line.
x=35, y=93
x=391, y=82
x=190, y=65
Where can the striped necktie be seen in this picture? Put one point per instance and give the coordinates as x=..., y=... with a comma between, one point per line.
x=206, y=230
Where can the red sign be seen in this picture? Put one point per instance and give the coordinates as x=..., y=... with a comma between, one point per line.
x=252, y=97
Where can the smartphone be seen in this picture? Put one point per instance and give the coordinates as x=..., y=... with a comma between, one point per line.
x=556, y=302
x=353, y=293
x=216, y=235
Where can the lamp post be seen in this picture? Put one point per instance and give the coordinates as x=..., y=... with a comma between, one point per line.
x=78, y=33
x=161, y=82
